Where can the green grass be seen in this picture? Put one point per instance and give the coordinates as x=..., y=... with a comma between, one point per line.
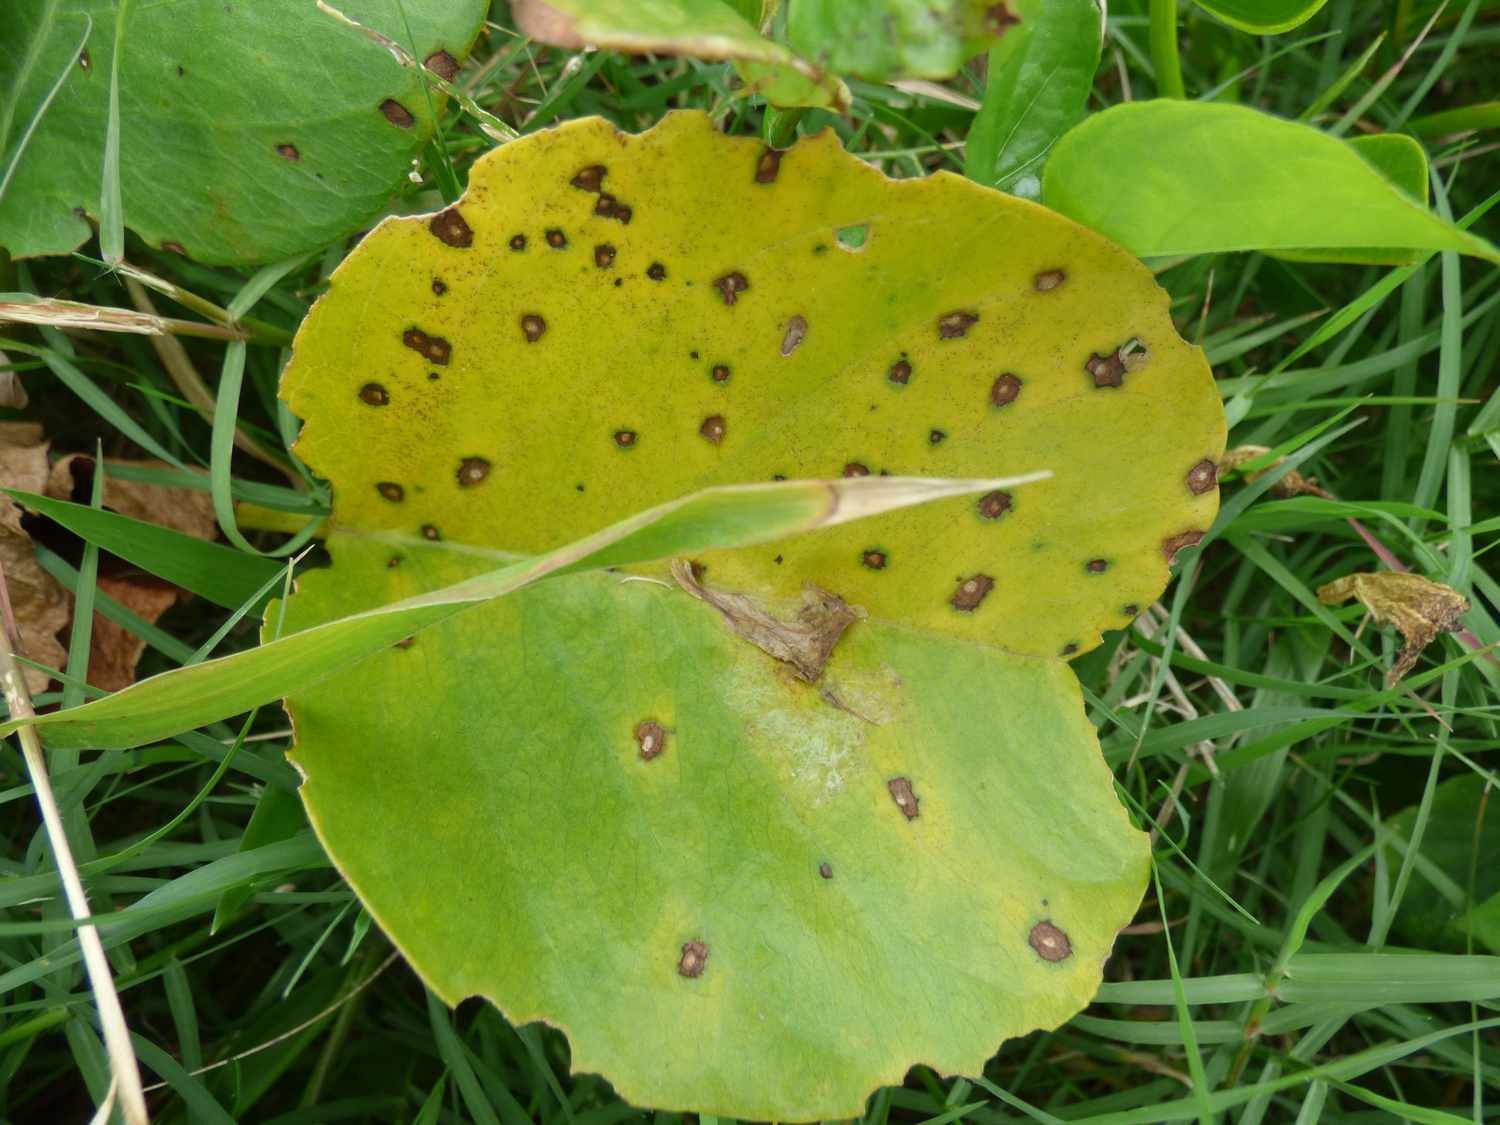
x=1284, y=966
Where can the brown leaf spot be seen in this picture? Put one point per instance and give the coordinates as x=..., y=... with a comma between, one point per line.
x=85, y=61
x=713, y=429
x=431, y=533
x=518, y=242
x=873, y=559
x=589, y=178
x=900, y=372
x=855, y=469
x=806, y=642
x=1175, y=543
x=289, y=152
x=532, y=327
x=719, y=373
x=1107, y=370
x=768, y=166
x=373, y=394
x=397, y=114
x=625, y=439
x=1203, y=476
x=1131, y=610
x=450, y=227
x=556, y=239
x=175, y=248
x=1096, y=566
x=472, y=470
x=441, y=63
x=796, y=332
x=901, y=792
x=608, y=207
x=658, y=272
x=936, y=437
x=825, y=870
x=993, y=505
x=439, y=286
x=1068, y=649
x=731, y=285
x=1419, y=609
x=970, y=592
x=434, y=348
x=406, y=642
x=391, y=491
x=604, y=255
x=1048, y=280
x=1005, y=389
x=952, y=325
x=694, y=958
x=650, y=738
x=1050, y=943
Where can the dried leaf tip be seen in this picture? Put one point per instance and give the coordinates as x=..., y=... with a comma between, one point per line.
x=1418, y=607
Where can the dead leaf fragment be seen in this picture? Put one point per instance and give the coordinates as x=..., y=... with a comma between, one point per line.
x=114, y=650
x=39, y=603
x=805, y=643
x=1292, y=483
x=181, y=509
x=1419, y=608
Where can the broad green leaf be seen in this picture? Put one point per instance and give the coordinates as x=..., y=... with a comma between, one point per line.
x=882, y=40
x=1040, y=75
x=703, y=29
x=485, y=793
x=527, y=366
x=751, y=886
x=1462, y=835
x=1263, y=17
x=1174, y=177
x=222, y=108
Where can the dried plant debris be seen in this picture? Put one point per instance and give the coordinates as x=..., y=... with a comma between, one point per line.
x=1291, y=483
x=1418, y=607
x=40, y=605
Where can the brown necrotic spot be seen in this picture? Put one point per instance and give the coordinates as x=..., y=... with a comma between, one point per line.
x=1050, y=943
x=288, y=151
x=450, y=227
x=608, y=207
x=936, y=437
x=993, y=505
x=952, y=325
x=397, y=114
x=431, y=533
x=768, y=166
x=694, y=958
x=1068, y=649
x=374, y=394
x=873, y=559
x=393, y=562
x=1004, y=390
x=650, y=738
x=1131, y=610
x=174, y=248
x=433, y=348
x=1096, y=566
x=441, y=63
x=825, y=870
x=532, y=326
x=1203, y=476
x=656, y=271
x=731, y=285
x=439, y=286
x=604, y=255
x=556, y=239
x=625, y=439
x=901, y=792
x=900, y=372
x=796, y=332
x=589, y=177
x=518, y=242
x=1107, y=370
x=406, y=642
x=391, y=491
x=856, y=469
x=970, y=592
x=1175, y=543
x=472, y=470
x=1048, y=280
x=719, y=373
x=85, y=61
x=713, y=429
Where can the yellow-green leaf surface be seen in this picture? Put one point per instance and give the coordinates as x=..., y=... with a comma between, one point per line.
x=741, y=885
x=881, y=40
x=766, y=314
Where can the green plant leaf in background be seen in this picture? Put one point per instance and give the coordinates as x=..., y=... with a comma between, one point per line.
x=1175, y=177
x=1263, y=17
x=882, y=40
x=702, y=29
x=327, y=129
x=757, y=865
x=1461, y=837
x=1040, y=75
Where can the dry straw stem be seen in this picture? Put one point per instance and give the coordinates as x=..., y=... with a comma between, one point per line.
x=126, y=1074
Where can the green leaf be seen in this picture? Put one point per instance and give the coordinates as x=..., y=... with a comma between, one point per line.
x=882, y=40
x=1173, y=177
x=221, y=574
x=1040, y=75
x=702, y=29
x=1263, y=17
x=222, y=107
x=1461, y=838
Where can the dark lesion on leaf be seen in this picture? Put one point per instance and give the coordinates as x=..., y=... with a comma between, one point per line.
x=1203, y=477
x=608, y=207
x=694, y=959
x=288, y=152
x=719, y=373
x=1173, y=544
x=391, y=491
x=650, y=739
x=450, y=227
x=431, y=533
x=1110, y=370
x=796, y=332
x=825, y=870
x=626, y=439
x=518, y=242
x=993, y=505
x=604, y=255
x=441, y=63
x=656, y=271
x=905, y=797
x=713, y=429
x=472, y=470
x=731, y=285
x=439, y=287
x=936, y=436
x=1005, y=389
x=856, y=469
x=590, y=177
x=533, y=327
x=971, y=592
x=956, y=324
x=436, y=349
x=556, y=238
x=397, y=114
x=805, y=642
x=900, y=372
x=1049, y=942
x=1048, y=280
x=874, y=559
x=373, y=394
x=768, y=166
x=1096, y=566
